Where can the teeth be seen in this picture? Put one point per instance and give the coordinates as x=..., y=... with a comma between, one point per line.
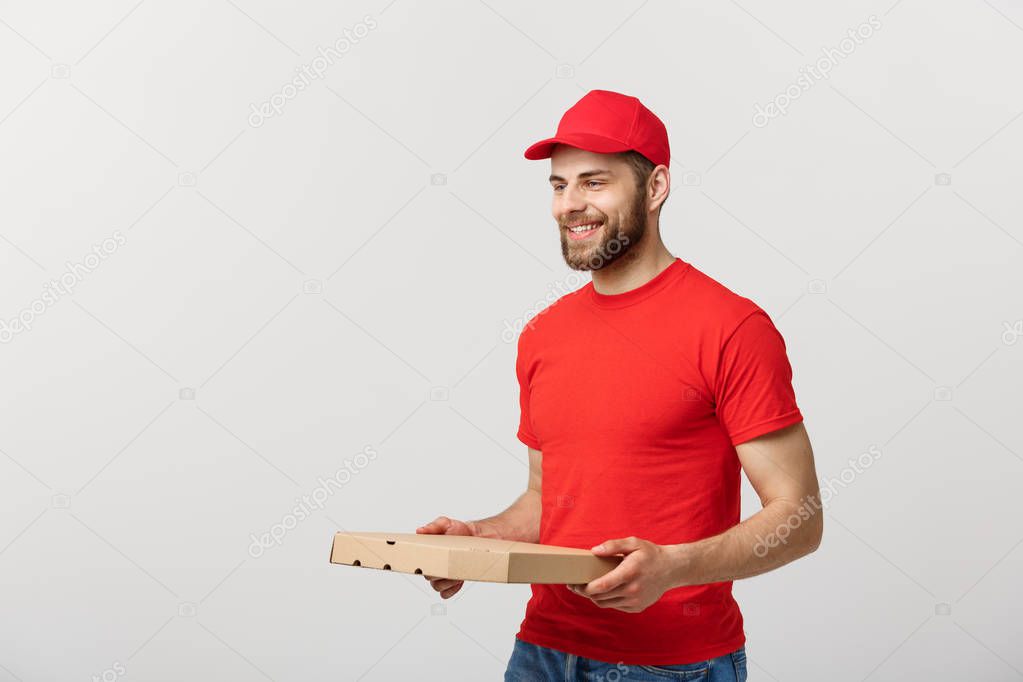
x=584, y=228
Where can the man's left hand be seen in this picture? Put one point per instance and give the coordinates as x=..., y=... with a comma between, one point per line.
x=646, y=572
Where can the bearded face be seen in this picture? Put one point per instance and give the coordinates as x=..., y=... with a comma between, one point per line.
x=592, y=239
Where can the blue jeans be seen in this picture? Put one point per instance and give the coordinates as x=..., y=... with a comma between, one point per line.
x=533, y=663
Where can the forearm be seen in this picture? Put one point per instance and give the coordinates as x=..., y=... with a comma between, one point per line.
x=781, y=532
x=520, y=521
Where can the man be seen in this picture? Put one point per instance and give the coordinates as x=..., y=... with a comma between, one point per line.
x=642, y=394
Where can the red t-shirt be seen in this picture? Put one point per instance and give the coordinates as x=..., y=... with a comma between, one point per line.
x=637, y=401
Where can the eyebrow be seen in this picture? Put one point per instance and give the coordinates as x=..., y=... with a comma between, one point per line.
x=583, y=175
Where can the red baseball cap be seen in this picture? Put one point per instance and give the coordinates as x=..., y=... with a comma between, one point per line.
x=606, y=122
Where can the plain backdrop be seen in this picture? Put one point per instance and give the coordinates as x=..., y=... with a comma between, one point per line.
x=269, y=281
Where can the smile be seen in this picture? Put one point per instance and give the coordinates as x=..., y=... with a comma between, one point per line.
x=583, y=231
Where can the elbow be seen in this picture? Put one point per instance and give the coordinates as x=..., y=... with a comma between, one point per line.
x=815, y=533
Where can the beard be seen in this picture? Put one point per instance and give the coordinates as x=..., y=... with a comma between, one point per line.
x=618, y=234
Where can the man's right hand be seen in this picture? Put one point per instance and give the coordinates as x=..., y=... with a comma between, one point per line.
x=442, y=525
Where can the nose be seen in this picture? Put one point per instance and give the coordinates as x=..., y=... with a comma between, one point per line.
x=571, y=200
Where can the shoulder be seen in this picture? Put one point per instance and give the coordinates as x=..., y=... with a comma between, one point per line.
x=549, y=316
x=718, y=307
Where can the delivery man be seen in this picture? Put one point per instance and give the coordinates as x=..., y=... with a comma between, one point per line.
x=641, y=396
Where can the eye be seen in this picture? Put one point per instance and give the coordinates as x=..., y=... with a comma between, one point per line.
x=558, y=187
x=594, y=182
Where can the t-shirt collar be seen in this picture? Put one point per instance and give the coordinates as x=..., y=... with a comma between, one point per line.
x=627, y=298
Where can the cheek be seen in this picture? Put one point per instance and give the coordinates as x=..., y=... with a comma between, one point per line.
x=611, y=206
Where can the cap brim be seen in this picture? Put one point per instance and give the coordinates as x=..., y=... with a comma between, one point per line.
x=592, y=143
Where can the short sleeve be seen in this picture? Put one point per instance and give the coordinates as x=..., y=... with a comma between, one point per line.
x=753, y=387
x=525, y=433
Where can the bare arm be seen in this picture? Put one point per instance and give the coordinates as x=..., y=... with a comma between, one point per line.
x=520, y=521
x=781, y=469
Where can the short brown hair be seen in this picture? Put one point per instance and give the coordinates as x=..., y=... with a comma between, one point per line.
x=641, y=167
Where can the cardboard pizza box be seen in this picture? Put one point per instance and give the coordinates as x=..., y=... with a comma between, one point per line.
x=466, y=557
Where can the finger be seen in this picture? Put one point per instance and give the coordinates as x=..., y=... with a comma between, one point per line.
x=605, y=583
x=617, y=546
x=438, y=525
x=620, y=592
x=444, y=583
x=434, y=578
x=450, y=591
x=616, y=603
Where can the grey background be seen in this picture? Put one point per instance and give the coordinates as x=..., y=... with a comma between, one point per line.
x=340, y=276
